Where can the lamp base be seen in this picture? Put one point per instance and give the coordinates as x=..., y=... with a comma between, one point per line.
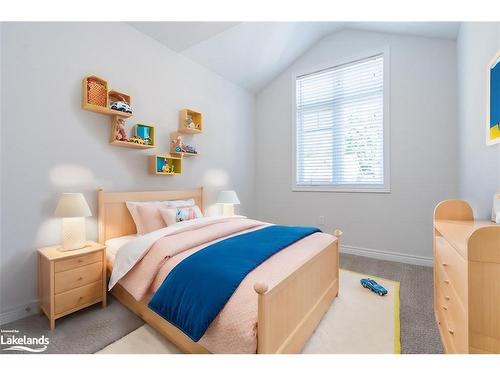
x=227, y=209
x=73, y=230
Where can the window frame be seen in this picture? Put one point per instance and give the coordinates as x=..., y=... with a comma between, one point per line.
x=331, y=64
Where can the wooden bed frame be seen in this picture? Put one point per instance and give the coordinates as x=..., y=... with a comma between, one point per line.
x=288, y=313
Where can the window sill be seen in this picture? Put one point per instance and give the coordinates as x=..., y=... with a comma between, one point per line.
x=329, y=189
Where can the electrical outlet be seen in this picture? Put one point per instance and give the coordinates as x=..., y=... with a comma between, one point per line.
x=321, y=220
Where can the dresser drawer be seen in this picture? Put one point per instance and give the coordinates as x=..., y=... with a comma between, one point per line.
x=77, y=297
x=457, y=332
x=77, y=277
x=453, y=321
x=451, y=312
x=450, y=295
x=454, y=266
x=446, y=337
x=67, y=264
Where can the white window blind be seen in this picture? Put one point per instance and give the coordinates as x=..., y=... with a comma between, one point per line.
x=340, y=126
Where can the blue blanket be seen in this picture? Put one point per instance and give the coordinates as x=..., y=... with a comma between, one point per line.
x=197, y=289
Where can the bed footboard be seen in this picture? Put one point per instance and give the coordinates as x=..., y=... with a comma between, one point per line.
x=290, y=311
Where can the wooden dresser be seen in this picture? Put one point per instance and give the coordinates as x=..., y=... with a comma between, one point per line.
x=466, y=279
x=71, y=280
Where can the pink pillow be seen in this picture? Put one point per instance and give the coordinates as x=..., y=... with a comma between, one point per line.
x=148, y=219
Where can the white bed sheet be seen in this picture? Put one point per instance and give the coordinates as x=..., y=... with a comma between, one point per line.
x=114, y=244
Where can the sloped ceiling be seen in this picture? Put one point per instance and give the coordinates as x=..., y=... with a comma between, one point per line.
x=251, y=54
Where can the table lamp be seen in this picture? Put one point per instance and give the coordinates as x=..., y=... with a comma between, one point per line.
x=73, y=209
x=228, y=199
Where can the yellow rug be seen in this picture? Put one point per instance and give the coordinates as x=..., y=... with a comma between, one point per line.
x=358, y=321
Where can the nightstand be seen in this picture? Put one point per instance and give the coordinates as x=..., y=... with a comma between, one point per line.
x=70, y=280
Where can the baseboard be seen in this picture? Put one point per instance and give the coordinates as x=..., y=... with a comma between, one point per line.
x=387, y=255
x=18, y=312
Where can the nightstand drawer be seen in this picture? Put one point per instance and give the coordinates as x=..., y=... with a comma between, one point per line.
x=77, y=277
x=77, y=297
x=63, y=265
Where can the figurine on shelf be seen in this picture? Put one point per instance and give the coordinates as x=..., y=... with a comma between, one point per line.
x=120, y=134
x=189, y=123
x=177, y=144
x=167, y=168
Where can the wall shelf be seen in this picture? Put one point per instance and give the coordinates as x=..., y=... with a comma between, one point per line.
x=96, y=97
x=188, y=116
x=173, y=144
x=183, y=154
x=157, y=162
x=139, y=130
x=129, y=144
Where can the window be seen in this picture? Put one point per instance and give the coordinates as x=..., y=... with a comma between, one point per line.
x=340, y=135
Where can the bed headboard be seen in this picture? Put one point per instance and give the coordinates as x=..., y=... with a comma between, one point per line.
x=114, y=219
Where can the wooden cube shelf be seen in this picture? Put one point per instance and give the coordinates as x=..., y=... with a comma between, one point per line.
x=157, y=162
x=113, y=141
x=173, y=144
x=96, y=97
x=187, y=117
x=95, y=91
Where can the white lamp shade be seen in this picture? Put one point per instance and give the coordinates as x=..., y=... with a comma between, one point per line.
x=72, y=205
x=228, y=197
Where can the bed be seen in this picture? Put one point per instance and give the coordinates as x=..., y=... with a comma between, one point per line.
x=287, y=310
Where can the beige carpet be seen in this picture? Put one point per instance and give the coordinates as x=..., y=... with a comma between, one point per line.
x=358, y=321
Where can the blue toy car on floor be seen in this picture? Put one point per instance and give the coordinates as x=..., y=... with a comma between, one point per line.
x=374, y=286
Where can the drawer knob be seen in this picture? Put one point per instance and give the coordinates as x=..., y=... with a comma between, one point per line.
x=445, y=264
x=80, y=260
x=447, y=281
x=451, y=331
x=447, y=298
x=80, y=278
x=445, y=308
x=79, y=299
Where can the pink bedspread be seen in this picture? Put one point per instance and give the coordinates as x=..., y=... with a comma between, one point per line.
x=235, y=328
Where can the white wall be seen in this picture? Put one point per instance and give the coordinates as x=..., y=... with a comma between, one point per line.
x=50, y=145
x=477, y=44
x=424, y=167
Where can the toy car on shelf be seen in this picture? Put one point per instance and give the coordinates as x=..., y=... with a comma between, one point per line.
x=121, y=106
x=187, y=149
x=190, y=149
x=374, y=286
x=136, y=140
